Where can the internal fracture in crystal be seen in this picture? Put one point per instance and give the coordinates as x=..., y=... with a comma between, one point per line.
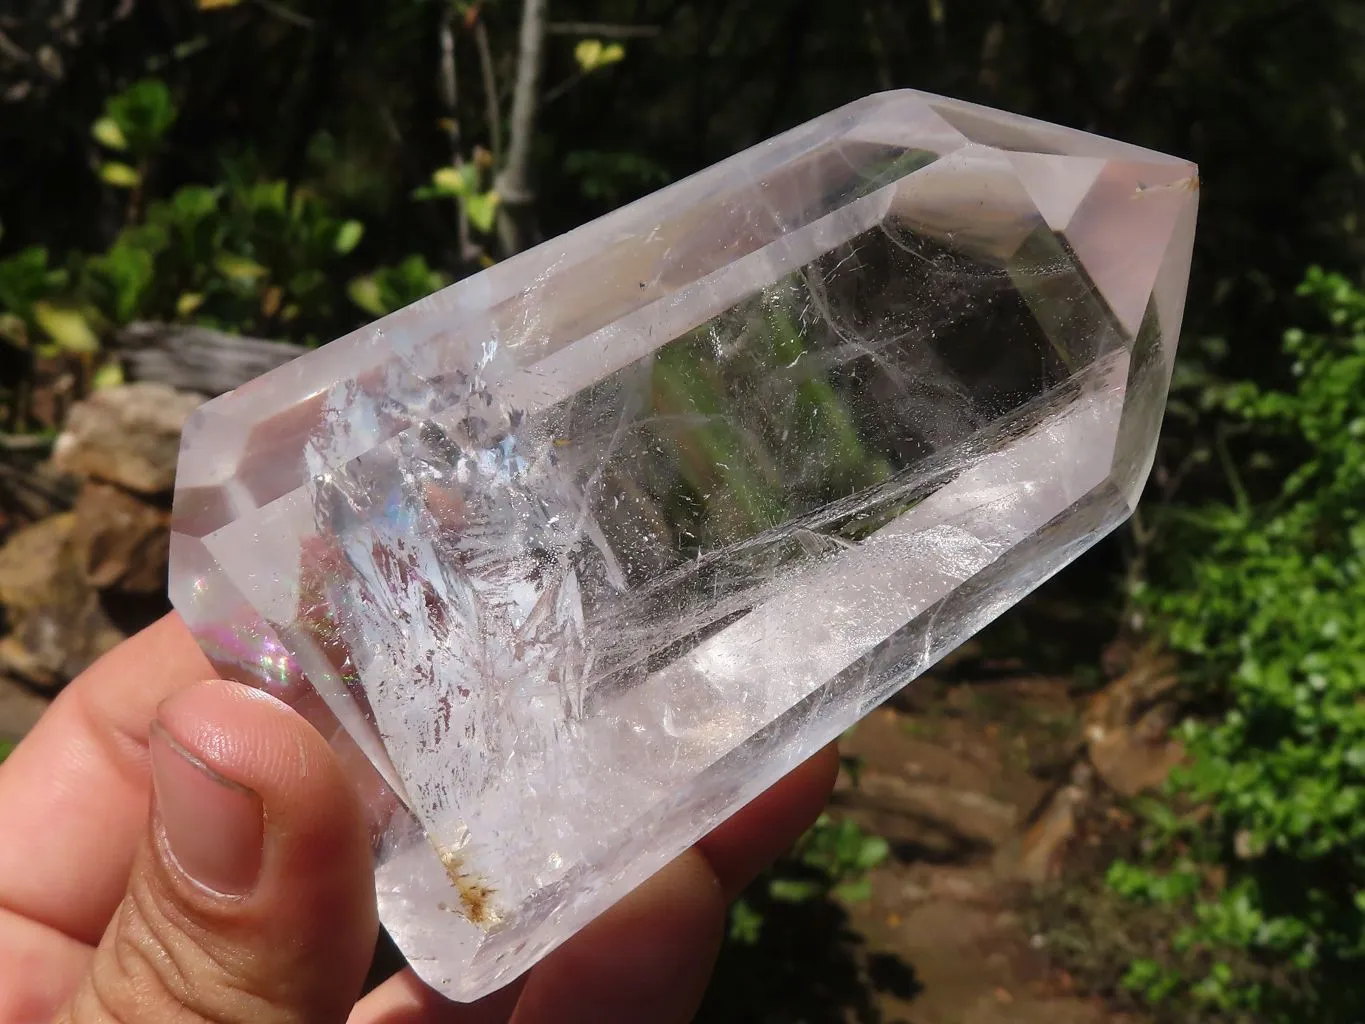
x=576, y=557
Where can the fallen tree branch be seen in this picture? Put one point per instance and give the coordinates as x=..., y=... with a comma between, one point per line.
x=197, y=358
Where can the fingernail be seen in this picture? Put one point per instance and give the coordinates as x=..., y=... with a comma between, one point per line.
x=214, y=828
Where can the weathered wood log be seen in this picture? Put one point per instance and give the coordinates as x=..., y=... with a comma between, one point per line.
x=197, y=358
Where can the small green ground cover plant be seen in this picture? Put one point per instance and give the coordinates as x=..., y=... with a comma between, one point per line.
x=1262, y=837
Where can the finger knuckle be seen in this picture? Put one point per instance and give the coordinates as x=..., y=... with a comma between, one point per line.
x=155, y=967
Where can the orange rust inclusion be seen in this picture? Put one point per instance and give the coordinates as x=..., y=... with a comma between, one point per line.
x=476, y=897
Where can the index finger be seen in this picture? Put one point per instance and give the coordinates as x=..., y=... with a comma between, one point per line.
x=74, y=794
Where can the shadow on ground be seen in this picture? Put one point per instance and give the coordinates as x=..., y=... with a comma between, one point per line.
x=810, y=966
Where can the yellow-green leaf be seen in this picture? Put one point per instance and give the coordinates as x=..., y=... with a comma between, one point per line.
x=592, y=54
x=349, y=236
x=365, y=293
x=188, y=302
x=456, y=181
x=214, y=5
x=482, y=211
x=588, y=53
x=447, y=179
x=108, y=134
x=119, y=175
x=67, y=327
x=110, y=375
x=239, y=268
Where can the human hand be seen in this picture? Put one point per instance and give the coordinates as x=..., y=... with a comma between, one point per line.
x=246, y=894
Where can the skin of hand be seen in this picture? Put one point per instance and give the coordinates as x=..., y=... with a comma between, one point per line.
x=174, y=848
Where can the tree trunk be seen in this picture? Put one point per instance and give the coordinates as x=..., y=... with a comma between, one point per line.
x=514, y=181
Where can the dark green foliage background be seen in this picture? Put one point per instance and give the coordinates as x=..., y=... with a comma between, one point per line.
x=1265, y=94
x=289, y=142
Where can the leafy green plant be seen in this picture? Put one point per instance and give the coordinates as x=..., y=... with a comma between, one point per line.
x=27, y=282
x=831, y=860
x=610, y=177
x=247, y=253
x=465, y=185
x=254, y=256
x=1269, y=614
x=390, y=288
x=135, y=123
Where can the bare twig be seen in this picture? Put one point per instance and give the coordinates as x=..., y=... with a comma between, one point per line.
x=563, y=87
x=490, y=90
x=514, y=185
x=602, y=29
x=449, y=87
x=450, y=97
x=285, y=14
x=12, y=49
x=1234, y=478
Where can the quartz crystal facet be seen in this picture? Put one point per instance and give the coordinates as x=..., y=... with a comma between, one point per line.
x=575, y=557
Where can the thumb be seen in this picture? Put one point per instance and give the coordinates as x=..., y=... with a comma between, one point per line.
x=252, y=897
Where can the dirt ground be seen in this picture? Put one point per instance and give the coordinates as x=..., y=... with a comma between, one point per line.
x=978, y=786
x=954, y=786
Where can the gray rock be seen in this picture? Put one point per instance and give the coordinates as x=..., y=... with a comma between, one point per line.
x=127, y=435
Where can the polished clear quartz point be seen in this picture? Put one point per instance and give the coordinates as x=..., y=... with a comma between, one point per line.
x=577, y=556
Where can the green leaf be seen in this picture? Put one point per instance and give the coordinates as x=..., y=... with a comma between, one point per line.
x=144, y=113
x=873, y=851
x=482, y=211
x=746, y=924
x=859, y=891
x=108, y=134
x=122, y=278
x=239, y=269
x=348, y=237
x=791, y=890
x=366, y=293
x=24, y=279
x=592, y=54
x=188, y=303
x=195, y=202
x=68, y=327
x=273, y=197
x=587, y=53
x=110, y=375
x=456, y=181
x=119, y=175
